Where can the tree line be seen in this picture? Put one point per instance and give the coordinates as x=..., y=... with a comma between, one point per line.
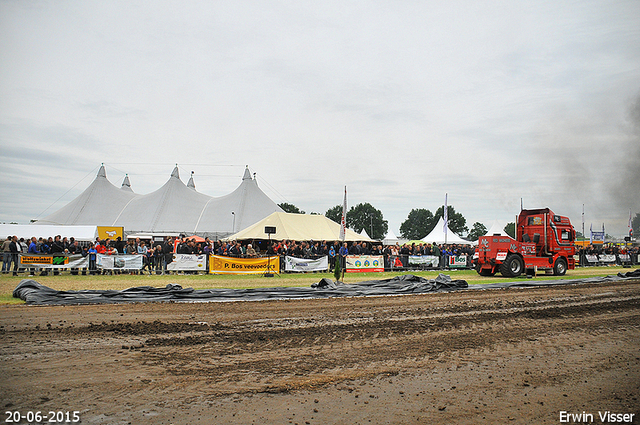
x=419, y=223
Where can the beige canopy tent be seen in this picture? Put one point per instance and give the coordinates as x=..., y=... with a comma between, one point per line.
x=299, y=227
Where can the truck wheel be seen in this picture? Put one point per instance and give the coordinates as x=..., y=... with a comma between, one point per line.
x=560, y=267
x=512, y=266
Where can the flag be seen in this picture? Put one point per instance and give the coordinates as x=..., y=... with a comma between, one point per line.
x=446, y=218
x=591, y=234
x=343, y=220
x=629, y=218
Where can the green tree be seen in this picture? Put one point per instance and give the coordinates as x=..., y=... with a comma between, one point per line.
x=334, y=213
x=455, y=221
x=365, y=216
x=510, y=229
x=418, y=224
x=477, y=230
x=290, y=208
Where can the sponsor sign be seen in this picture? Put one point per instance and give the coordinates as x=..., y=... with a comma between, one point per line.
x=126, y=262
x=110, y=232
x=427, y=260
x=458, y=261
x=591, y=258
x=293, y=264
x=607, y=258
x=38, y=260
x=364, y=263
x=231, y=265
x=188, y=262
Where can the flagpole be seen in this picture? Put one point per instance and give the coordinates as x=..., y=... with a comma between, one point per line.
x=446, y=218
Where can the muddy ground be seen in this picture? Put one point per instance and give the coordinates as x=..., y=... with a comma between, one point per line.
x=516, y=356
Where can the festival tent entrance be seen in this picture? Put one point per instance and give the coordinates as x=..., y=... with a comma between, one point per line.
x=299, y=227
x=437, y=236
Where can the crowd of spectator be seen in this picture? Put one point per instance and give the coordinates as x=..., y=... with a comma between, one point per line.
x=158, y=254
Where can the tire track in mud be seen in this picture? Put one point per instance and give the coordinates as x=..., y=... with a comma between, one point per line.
x=272, y=358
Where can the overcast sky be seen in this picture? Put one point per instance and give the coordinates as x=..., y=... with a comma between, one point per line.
x=401, y=101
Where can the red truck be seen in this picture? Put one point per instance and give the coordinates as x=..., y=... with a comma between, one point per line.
x=543, y=240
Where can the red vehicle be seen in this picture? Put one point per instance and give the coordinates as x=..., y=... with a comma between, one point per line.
x=543, y=240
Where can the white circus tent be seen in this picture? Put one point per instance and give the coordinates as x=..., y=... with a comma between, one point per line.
x=173, y=208
x=437, y=235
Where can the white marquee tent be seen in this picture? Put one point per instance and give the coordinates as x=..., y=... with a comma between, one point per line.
x=80, y=233
x=437, y=236
x=497, y=228
x=175, y=207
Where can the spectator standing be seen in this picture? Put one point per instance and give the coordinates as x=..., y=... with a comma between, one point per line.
x=13, y=248
x=6, y=255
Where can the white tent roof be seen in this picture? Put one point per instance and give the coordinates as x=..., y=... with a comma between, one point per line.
x=437, y=235
x=100, y=204
x=299, y=227
x=497, y=228
x=364, y=234
x=392, y=239
x=80, y=233
x=175, y=207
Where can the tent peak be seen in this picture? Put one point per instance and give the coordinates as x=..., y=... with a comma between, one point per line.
x=102, y=172
x=191, y=184
x=126, y=184
x=175, y=172
x=247, y=174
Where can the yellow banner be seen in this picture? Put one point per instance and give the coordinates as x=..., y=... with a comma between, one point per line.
x=231, y=265
x=43, y=259
x=110, y=232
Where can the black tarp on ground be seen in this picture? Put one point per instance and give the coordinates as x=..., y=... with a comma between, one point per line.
x=34, y=293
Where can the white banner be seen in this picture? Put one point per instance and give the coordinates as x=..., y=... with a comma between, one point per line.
x=591, y=258
x=293, y=264
x=607, y=258
x=428, y=260
x=125, y=262
x=189, y=262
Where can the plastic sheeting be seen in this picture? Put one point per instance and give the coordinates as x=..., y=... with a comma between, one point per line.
x=35, y=293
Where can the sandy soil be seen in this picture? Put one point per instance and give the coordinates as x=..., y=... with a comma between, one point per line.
x=517, y=356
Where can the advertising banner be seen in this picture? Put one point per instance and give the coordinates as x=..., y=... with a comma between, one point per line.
x=607, y=258
x=427, y=260
x=188, y=262
x=591, y=258
x=110, y=232
x=125, y=262
x=42, y=260
x=231, y=265
x=293, y=264
x=364, y=263
x=459, y=261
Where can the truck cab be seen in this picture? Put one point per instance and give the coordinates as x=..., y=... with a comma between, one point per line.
x=544, y=241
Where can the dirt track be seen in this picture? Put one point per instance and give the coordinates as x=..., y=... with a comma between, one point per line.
x=517, y=356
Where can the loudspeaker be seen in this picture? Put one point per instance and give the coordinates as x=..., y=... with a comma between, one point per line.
x=269, y=230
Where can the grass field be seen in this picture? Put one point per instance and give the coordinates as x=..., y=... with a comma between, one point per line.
x=68, y=282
